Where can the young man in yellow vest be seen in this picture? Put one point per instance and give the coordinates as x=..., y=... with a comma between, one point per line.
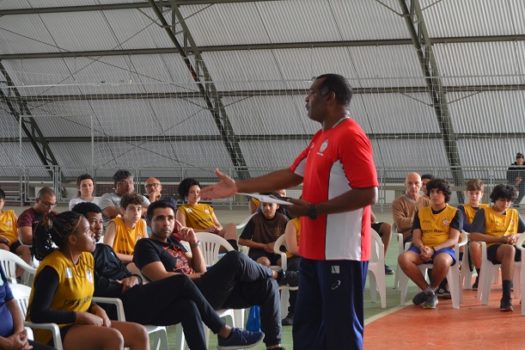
x=500, y=227
x=436, y=230
x=125, y=230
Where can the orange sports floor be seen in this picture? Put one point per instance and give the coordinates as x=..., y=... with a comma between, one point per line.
x=473, y=326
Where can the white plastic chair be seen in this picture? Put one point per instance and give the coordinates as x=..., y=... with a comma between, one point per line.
x=466, y=273
x=453, y=277
x=519, y=245
x=21, y=295
x=376, y=269
x=285, y=290
x=489, y=272
x=210, y=247
x=158, y=335
x=10, y=262
x=401, y=249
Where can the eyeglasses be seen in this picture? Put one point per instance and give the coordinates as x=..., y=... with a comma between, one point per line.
x=49, y=205
x=153, y=185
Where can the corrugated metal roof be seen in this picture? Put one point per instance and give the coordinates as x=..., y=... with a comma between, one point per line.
x=271, y=154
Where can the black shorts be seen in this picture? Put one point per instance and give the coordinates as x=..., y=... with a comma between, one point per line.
x=255, y=254
x=377, y=227
x=491, y=254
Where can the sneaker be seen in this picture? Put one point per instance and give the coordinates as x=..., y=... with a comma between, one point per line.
x=287, y=321
x=290, y=278
x=431, y=302
x=420, y=298
x=476, y=283
x=240, y=339
x=388, y=270
x=506, y=305
x=442, y=293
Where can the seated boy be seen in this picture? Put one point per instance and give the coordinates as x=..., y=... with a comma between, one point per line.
x=499, y=226
x=261, y=232
x=475, y=189
x=436, y=230
x=124, y=231
x=9, y=233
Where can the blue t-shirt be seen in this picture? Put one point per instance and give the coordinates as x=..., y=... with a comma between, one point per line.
x=6, y=319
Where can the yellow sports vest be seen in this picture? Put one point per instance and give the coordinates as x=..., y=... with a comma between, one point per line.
x=470, y=212
x=435, y=228
x=499, y=225
x=75, y=286
x=125, y=237
x=297, y=223
x=198, y=216
x=8, y=228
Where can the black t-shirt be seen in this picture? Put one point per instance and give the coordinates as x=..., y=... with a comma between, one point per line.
x=171, y=254
x=108, y=269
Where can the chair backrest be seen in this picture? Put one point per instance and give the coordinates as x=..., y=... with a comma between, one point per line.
x=378, y=253
x=10, y=261
x=280, y=242
x=21, y=295
x=211, y=245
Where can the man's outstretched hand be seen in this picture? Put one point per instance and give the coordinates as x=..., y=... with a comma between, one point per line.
x=225, y=187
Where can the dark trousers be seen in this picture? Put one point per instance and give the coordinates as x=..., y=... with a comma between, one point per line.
x=237, y=282
x=293, y=265
x=329, y=308
x=39, y=346
x=170, y=301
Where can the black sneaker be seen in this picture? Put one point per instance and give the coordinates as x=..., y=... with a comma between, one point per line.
x=388, y=270
x=240, y=339
x=443, y=293
x=505, y=305
x=287, y=321
x=420, y=297
x=476, y=283
x=290, y=278
x=431, y=302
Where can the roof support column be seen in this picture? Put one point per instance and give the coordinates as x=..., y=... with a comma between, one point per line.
x=423, y=44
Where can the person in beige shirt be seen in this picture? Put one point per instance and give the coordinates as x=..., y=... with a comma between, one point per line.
x=404, y=208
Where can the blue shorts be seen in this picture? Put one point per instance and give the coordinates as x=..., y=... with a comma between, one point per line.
x=448, y=251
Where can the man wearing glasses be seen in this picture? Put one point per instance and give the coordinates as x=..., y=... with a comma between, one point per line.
x=45, y=202
x=516, y=177
x=110, y=202
x=153, y=189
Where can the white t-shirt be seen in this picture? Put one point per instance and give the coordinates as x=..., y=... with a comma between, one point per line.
x=76, y=200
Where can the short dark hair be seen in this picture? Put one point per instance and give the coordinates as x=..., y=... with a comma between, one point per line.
x=45, y=190
x=502, y=191
x=519, y=155
x=84, y=177
x=2, y=194
x=131, y=198
x=475, y=185
x=338, y=84
x=427, y=177
x=120, y=175
x=185, y=185
x=440, y=185
x=86, y=207
x=162, y=203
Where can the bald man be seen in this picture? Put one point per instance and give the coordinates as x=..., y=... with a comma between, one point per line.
x=404, y=207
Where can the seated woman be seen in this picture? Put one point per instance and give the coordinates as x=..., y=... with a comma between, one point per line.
x=199, y=216
x=63, y=290
x=86, y=188
x=12, y=333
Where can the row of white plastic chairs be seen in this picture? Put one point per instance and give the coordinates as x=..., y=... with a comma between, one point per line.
x=211, y=245
x=459, y=276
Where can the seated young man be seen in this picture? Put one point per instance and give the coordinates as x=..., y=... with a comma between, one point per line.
x=164, y=302
x=436, y=230
x=499, y=226
x=235, y=281
x=475, y=189
x=9, y=233
x=124, y=231
x=261, y=232
x=384, y=230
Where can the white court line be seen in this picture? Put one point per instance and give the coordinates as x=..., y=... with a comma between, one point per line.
x=384, y=313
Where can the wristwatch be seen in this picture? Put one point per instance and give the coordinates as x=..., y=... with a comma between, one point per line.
x=312, y=212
